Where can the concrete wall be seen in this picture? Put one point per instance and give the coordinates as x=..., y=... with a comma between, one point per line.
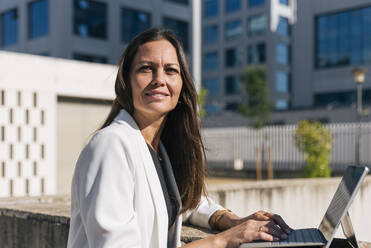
x=301, y=202
x=44, y=221
x=46, y=107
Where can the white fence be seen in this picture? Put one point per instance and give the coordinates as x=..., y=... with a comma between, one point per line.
x=226, y=145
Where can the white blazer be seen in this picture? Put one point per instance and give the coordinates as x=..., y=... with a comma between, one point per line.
x=116, y=196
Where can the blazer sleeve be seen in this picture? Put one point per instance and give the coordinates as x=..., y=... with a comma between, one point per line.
x=104, y=180
x=201, y=214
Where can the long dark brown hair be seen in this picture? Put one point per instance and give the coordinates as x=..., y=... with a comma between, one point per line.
x=181, y=133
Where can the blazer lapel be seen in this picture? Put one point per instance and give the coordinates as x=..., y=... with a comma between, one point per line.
x=161, y=217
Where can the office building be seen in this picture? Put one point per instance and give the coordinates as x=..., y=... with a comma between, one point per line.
x=308, y=49
x=88, y=30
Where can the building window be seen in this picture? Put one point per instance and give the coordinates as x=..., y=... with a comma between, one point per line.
x=232, y=106
x=256, y=25
x=180, y=28
x=284, y=2
x=343, y=38
x=90, y=19
x=179, y=1
x=9, y=28
x=283, y=26
x=212, y=108
x=211, y=35
x=345, y=98
x=233, y=57
x=232, y=6
x=282, y=82
x=282, y=54
x=212, y=86
x=232, y=85
x=211, y=61
x=256, y=53
x=256, y=3
x=233, y=30
x=90, y=58
x=230, y=57
x=282, y=104
x=210, y=8
x=38, y=19
x=133, y=22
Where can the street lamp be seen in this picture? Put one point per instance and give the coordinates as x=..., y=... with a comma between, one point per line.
x=359, y=75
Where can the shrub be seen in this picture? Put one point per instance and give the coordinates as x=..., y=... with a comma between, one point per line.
x=314, y=140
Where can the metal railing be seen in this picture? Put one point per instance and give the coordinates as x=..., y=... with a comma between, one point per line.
x=224, y=146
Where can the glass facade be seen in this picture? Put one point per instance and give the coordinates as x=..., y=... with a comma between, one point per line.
x=233, y=30
x=38, y=19
x=282, y=104
x=210, y=8
x=345, y=98
x=284, y=2
x=282, y=82
x=211, y=61
x=90, y=19
x=90, y=58
x=232, y=85
x=179, y=1
x=9, y=28
x=343, y=38
x=282, y=53
x=212, y=86
x=283, y=27
x=256, y=53
x=211, y=35
x=256, y=3
x=232, y=6
x=180, y=28
x=256, y=25
x=133, y=22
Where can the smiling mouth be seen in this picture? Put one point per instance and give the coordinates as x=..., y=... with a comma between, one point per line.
x=156, y=94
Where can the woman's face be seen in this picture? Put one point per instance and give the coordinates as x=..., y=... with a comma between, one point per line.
x=155, y=79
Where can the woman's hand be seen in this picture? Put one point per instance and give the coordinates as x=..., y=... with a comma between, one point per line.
x=261, y=225
x=258, y=226
x=267, y=216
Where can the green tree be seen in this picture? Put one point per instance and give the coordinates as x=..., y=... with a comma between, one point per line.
x=201, y=99
x=256, y=105
x=314, y=140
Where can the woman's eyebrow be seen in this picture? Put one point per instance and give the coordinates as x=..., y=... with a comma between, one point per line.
x=170, y=64
x=148, y=62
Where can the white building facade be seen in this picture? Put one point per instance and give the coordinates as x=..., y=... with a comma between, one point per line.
x=41, y=130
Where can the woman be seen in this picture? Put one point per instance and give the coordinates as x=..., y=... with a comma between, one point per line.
x=142, y=174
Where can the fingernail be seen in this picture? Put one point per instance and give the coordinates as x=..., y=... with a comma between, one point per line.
x=283, y=236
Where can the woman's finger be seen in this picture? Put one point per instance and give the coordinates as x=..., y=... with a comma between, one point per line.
x=279, y=221
x=275, y=230
x=262, y=235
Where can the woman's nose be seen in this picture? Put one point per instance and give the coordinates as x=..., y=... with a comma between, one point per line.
x=159, y=78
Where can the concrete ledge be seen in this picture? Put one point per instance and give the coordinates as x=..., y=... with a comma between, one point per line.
x=38, y=222
x=301, y=202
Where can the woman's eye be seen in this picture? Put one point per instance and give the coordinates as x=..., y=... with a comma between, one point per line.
x=145, y=68
x=172, y=70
